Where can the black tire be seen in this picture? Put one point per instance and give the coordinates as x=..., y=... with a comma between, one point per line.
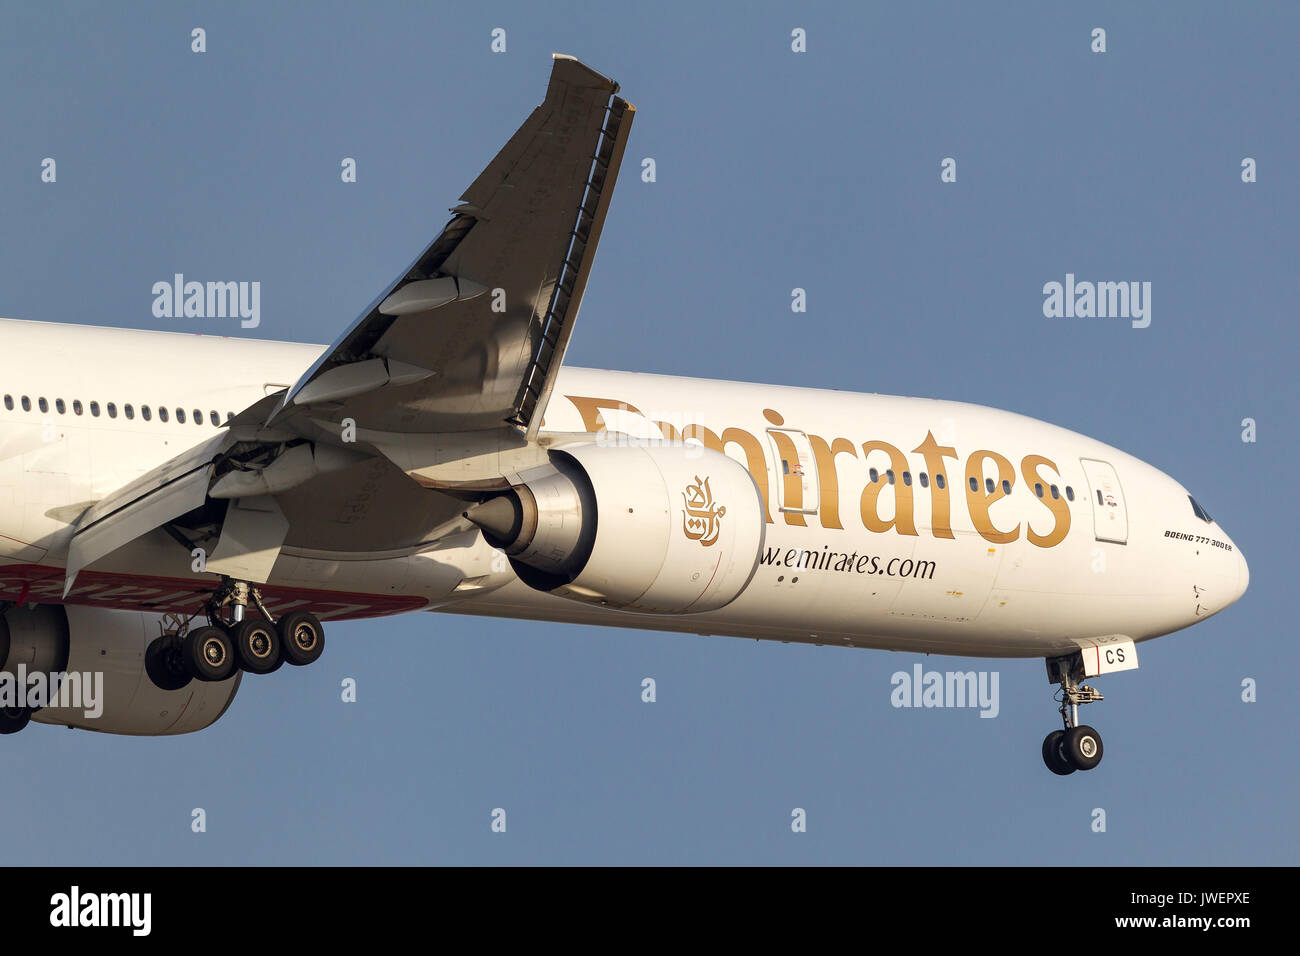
x=257, y=645
x=302, y=637
x=1082, y=747
x=1054, y=753
x=208, y=654
x=164, y=664
x=14, y=719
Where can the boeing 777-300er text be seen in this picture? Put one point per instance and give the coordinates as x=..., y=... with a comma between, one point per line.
x=172, y=531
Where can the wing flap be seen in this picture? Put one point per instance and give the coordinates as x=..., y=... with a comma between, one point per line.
x=135, y=519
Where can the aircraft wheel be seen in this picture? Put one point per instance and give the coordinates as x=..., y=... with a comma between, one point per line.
x=208, y=654
x=257, y=645
x=14, y=719
x=302, y=636
x=164, y=664
x=1082, y=747
x=1054, y=753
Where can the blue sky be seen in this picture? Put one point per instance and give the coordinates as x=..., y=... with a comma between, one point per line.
x=774, y=170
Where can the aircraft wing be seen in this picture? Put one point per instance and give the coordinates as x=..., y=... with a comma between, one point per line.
x=471, y=335
x=447, y=371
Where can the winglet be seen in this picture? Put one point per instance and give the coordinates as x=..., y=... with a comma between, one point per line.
x=572, y=73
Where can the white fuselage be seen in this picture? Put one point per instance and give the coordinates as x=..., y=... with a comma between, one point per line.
x=1003, y=568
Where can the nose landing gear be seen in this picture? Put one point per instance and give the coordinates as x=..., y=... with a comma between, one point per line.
x=1077, y=746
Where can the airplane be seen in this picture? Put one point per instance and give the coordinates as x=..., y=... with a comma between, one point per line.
x=174, y=531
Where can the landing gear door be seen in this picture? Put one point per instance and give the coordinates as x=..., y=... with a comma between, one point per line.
x=1106, y=657
x=1109, y=514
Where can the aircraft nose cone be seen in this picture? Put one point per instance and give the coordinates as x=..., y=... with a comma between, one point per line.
x=1243, y=574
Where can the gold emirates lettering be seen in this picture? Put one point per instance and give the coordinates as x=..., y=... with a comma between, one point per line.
x=979, y=498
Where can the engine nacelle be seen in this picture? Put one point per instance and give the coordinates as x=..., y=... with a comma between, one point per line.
x=668, y=528
x=100, y=655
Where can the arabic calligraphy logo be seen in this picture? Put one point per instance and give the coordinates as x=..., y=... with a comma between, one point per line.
x=701, y=519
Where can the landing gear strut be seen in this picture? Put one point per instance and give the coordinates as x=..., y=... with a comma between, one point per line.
x=261, y=644
x=257, y=644
x=1077, y=746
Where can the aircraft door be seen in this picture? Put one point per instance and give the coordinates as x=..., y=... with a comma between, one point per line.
x=796, y=471
x=1109, y=514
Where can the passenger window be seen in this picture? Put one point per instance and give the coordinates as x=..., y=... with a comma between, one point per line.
x=907, y=478
x=27, y=404
x=890, y=475
x=940, y=481
x=128, y=411
x=112, y=410
x=198, y=416
x=974, y=486
x=145, y=413
x=1055, y=492
x=875, y=475
x=76, y=406
x=925, y=481
x=162, y=413
x=1006, y=487
x=61, y=408
x=1069, y=492
x=9, y=402
x=1038, y=489
x=180, y=415
x=215, y=420
x=43, y=404
x=94, y=409
x=988, y=485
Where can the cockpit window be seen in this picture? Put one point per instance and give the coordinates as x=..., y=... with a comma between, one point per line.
x=1200, y=512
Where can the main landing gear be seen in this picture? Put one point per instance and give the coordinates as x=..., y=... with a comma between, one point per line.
x=1078, y=746
x=234, y=639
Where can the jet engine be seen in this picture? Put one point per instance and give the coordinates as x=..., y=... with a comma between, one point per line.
x=667, y=528
x=89, y=668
